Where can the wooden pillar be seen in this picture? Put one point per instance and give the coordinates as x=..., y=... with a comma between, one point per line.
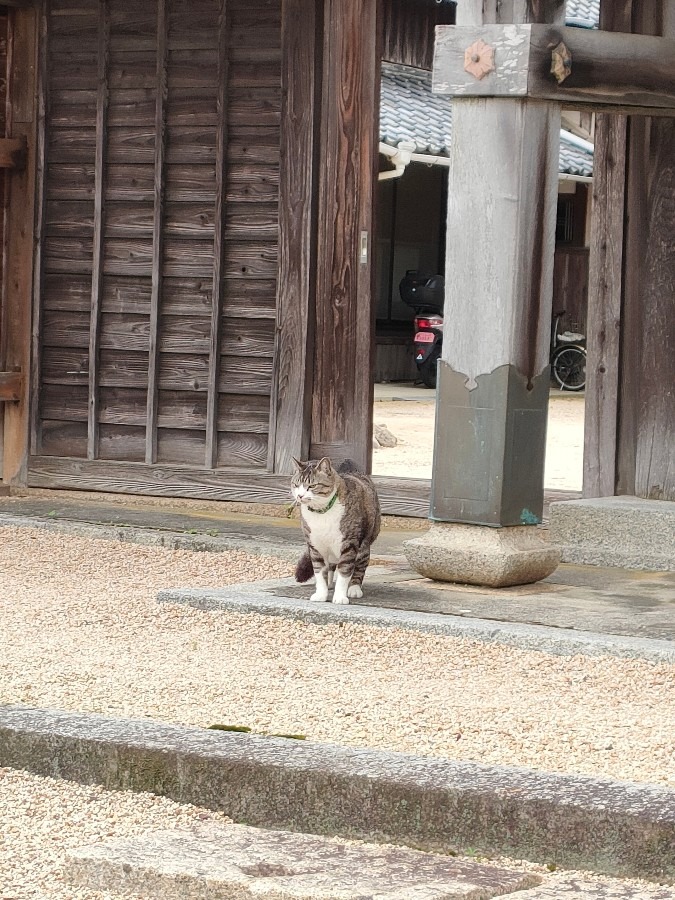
x=630, y=419
x=343, y=352
x=15, y=324
x=493, y=376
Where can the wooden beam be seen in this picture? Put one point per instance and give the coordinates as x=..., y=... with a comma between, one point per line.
x=13, y=152
x=19, y=4
x=607, y=71
x=11, y=386
x=301, y=80
x=15, y=326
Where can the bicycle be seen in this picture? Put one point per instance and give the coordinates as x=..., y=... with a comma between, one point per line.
x=568, y=357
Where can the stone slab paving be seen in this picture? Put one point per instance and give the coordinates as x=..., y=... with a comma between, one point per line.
x=287, y=599
x=583, y=823
x=212, y=862
x=573, y=888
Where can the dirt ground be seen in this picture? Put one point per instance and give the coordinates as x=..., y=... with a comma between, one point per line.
x=412, y=423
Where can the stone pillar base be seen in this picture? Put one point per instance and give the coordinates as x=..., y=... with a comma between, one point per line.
x=474, y=554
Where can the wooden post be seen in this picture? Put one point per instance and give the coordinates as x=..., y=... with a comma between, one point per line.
x=646, y=415
x=493, y=384
x=15, y=326
x=605, y=283
x=342, y=394
x=630, y=406
x=300, y=122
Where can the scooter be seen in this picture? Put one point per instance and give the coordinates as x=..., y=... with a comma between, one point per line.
x=426, y=294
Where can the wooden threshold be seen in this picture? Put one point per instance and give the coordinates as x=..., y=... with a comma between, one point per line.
x=398, y=496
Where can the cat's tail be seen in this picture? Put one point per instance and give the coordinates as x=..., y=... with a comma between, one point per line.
x=304, y=569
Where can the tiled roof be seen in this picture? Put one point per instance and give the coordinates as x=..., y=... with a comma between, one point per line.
x=583, y=12
x=409, y=111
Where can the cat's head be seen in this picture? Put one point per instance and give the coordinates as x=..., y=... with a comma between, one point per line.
x=314, y=482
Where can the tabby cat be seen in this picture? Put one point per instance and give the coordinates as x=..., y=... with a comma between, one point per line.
x=340, y=519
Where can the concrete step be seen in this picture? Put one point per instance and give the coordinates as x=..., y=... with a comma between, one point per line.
x=236, y=862
x=577, y=822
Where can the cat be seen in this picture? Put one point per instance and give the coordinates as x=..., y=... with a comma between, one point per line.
x=341, y=517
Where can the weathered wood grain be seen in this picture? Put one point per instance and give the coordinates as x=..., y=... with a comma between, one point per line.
x=71, y=182
x=471, y=12
x=21, y=116
x=612, y=71
x=342, y=394
x=218, y=238
x=409, y=30
x=241, y=450
x=604, y=312
x=63, y=439
x=11, y=386
x=13, y=152
x=161, y=89
x=300, y=118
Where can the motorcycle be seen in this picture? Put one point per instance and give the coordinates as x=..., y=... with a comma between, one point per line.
x=426, y=294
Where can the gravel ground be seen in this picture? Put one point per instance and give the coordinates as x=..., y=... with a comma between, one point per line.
x=42, y=818
x=80, y=629
x=412, y=422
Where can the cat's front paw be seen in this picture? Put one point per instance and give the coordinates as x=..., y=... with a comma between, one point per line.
x=319, y=596
x=341, y=599
x=355, y=592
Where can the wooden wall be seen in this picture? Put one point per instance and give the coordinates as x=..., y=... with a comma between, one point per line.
x=158, y=290
x=3, y=195
x=409, y=30
x=630, y=411
x=570, y=287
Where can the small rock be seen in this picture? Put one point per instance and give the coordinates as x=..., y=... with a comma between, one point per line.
x=384, y=437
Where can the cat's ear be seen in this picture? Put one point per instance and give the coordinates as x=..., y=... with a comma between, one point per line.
x=299, y=465
x=324, y=465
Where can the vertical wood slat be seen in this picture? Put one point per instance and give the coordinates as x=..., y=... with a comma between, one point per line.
x=343, y=353
x=647, y=411
x=15, y=320
x=291, y=398
x=604, y=309
x=157, y=234
x=41, y=163
x=479, y=12
x=217, y=290
x=102, y=95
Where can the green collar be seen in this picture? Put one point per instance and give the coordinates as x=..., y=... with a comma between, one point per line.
x=328, y=506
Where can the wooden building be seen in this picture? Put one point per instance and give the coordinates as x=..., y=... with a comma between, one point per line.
x=188, y=240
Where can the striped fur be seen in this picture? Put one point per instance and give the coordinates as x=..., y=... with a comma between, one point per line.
x=340, y=520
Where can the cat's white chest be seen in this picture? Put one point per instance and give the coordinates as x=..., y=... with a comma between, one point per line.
x=324, y=531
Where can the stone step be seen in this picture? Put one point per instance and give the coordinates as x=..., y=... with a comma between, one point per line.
x=573, y=821
x=236, y=862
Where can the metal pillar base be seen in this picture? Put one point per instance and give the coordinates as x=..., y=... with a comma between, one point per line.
x=489, y=447
x=472, y=554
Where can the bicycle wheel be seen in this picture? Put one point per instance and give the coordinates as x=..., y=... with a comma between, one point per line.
x=569, y=368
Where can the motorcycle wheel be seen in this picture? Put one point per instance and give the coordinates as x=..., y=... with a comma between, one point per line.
x=568, y=367
x=428, y=369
